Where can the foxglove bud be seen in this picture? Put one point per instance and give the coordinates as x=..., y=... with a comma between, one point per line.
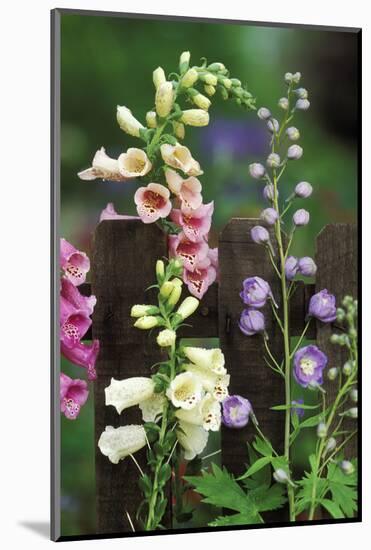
x=273, y=160
x=226, y=82
x=188, y=307
x=330, y=445
x=352, y=413
x=179, y=129
x=201, y=101
x=347, y=467
x=256, y=170
x=216, y=67
x=307, y=267
x=189, y=78
x=164, y=99
x=195, y=117
x=236, y=82
x=303, y=190
x=264, y=113
x=223, y=92
x=175, y=294
x=210, y=79
x=354, y=395
x=127, y=122
x=293, y=133
x=140, y=310
x=283, y=103
x=321, y=430
x=209, y=89
x=259, y=235
x=347, y=368
x=288, y=77
x=296, y=78
x=166, y=338
x=294, y=152
x=332, y=373
x=302, y=104
x=268, y=192
x=184, y=61
x=148, y=322
x=160, y=270
x=166, y=289
x=291, y=268
x=280, y=476
x=302, y=93
x=158, y=77
x=269, y=215
x=301, y=217
x=151, y=119
x=273, y=125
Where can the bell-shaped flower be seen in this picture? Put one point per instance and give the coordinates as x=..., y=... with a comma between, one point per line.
x=190, y=253
x=212, y=359
x=134, y=163
x=83, y=355
x=74, y=263
x=73, y=395
x=216, y=385
x=74, y=323
x=199, y=280
x=103, y=167
x=71, y=293
x=185, y=391
x=192, y=438
x=188, y=190
x=179, y=157
x=127, y=122
x=152, y=407
x=118, y=443
x=153, y=202
x=196, y=223
x=206, y=414
x=213, y=256
x=109, y=213
x=129, y=392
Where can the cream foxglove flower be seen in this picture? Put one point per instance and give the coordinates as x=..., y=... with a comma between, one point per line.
x=117, y=443
x=212, y=359
x=151, y=119
x=164, y=99
x=185, y=391
x=209, y=89
x=166, y=338
x=206, y=414
x=127, y=121
x=147, y=322
x=152, y=408
x=195, y=117
x=103, y=167
x=179, y=157
x=187, y=307
x=141, y=310
x=195, y=169
x=188, y=190
x=134, y=163
x=201, y=101
x=192, y=438
x=211, y=382
x=179, y=129
x=184, y=61
x=189, y=78
x=158, y=77
x=129, y=392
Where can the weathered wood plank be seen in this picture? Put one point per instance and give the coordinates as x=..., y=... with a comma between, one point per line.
x=336, y=258
x=240, y=257
x=123, y=264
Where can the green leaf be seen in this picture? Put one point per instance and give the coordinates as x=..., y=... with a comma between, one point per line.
x=263, y=447
x=332, y=508
x=164, y=474
x=258, y=465
x=236, y=519
x=269, y=498
x=168, y=138
x=298, y=406
x=262, y=477
x=343, y=489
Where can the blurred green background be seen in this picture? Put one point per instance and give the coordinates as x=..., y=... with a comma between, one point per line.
x=108, y=61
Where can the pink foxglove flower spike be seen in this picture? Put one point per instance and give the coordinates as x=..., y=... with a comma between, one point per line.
x=199, y=280
x=153, y=202
x=74, y=263
x=73, y=395
x=188, y=190
x=83, y=355
x=196, y=223
x=190, y=253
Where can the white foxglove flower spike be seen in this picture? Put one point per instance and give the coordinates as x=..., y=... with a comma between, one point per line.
x=185, y=391
x=129, y=392
x=118, y=443
x=212, y=359
x=192, y=438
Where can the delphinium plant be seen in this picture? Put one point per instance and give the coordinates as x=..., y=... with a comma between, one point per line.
x=329, y=481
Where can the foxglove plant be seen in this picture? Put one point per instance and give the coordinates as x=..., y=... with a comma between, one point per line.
x=171, y=193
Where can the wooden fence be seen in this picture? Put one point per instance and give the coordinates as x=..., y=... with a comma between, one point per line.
x=124, y=256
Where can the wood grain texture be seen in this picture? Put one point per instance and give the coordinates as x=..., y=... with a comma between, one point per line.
x=336, y=258
x=123, y=266
x=240, y=257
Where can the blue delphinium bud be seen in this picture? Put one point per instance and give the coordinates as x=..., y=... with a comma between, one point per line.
x=330, y=445
x=291, y=267
x=293, y=133
x=347, y=467
x=256, y=170
x=294, y=152
x=332, y=373
x=269, y=215
x=303, y=190
x=302, y=104
x=280, y=476
x=307, y=267
x=301, y=217
x=268, y=192
x=259, y=234
x=264, y=113
x=273, y=125
x=302, y=93
x=273, y=160
x=321, y=430
x=252, y=322
x=354, y=395
x=283, y=102
x=322, y=306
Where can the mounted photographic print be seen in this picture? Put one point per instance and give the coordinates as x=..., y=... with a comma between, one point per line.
x=205, y=275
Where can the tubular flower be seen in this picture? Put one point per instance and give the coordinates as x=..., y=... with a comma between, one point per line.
x=83, y=355
x=118, y=443
x=185, y=391
x=152, y=202
x=212, y=359
x=74, y=263
x=103, y=167
x=199, y=280
x=251, y=322
x=189, y=252
x=71, y=294
x=196, y=223
x=74, y=323
x=109, y=213
x=188, y=190
x=128, y=122
x=73, y=395
x=179, y=157
x=216, y=385
x=207, y=414
x=152, y=407
x=134, y=163
x=129, y=392
x=322, y=306
x=192, y=438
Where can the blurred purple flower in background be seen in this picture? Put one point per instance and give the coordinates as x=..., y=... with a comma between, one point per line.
x=239, y=139
x=298, y=410
x=236, y=411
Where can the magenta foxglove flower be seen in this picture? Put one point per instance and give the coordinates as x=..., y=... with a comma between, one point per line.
x=307, y=267
x=259, y=234
x=188, y=190
x=109, y=213
x=291, y=267
x=83, y=355
x=322, y=306
x=199, y=280
x=73, y=395
x=74, y=323
x=74, y=263
x=153, y=202
x=189, y=252
x=251, y=322
x=196, y=223
x=236, y=411
x=301, y=217
x=255, y=292
x=81, y=304
x=309, y=363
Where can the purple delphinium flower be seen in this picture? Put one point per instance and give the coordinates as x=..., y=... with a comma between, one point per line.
x=259, y=234
x=307, y=267
x=309, y=363
x=301, y=217
x=298, y=410
x=236, y=411
x=269, y=216
x=291, y=267
x=322, y=306
x=255, y=292
x=251, y=322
